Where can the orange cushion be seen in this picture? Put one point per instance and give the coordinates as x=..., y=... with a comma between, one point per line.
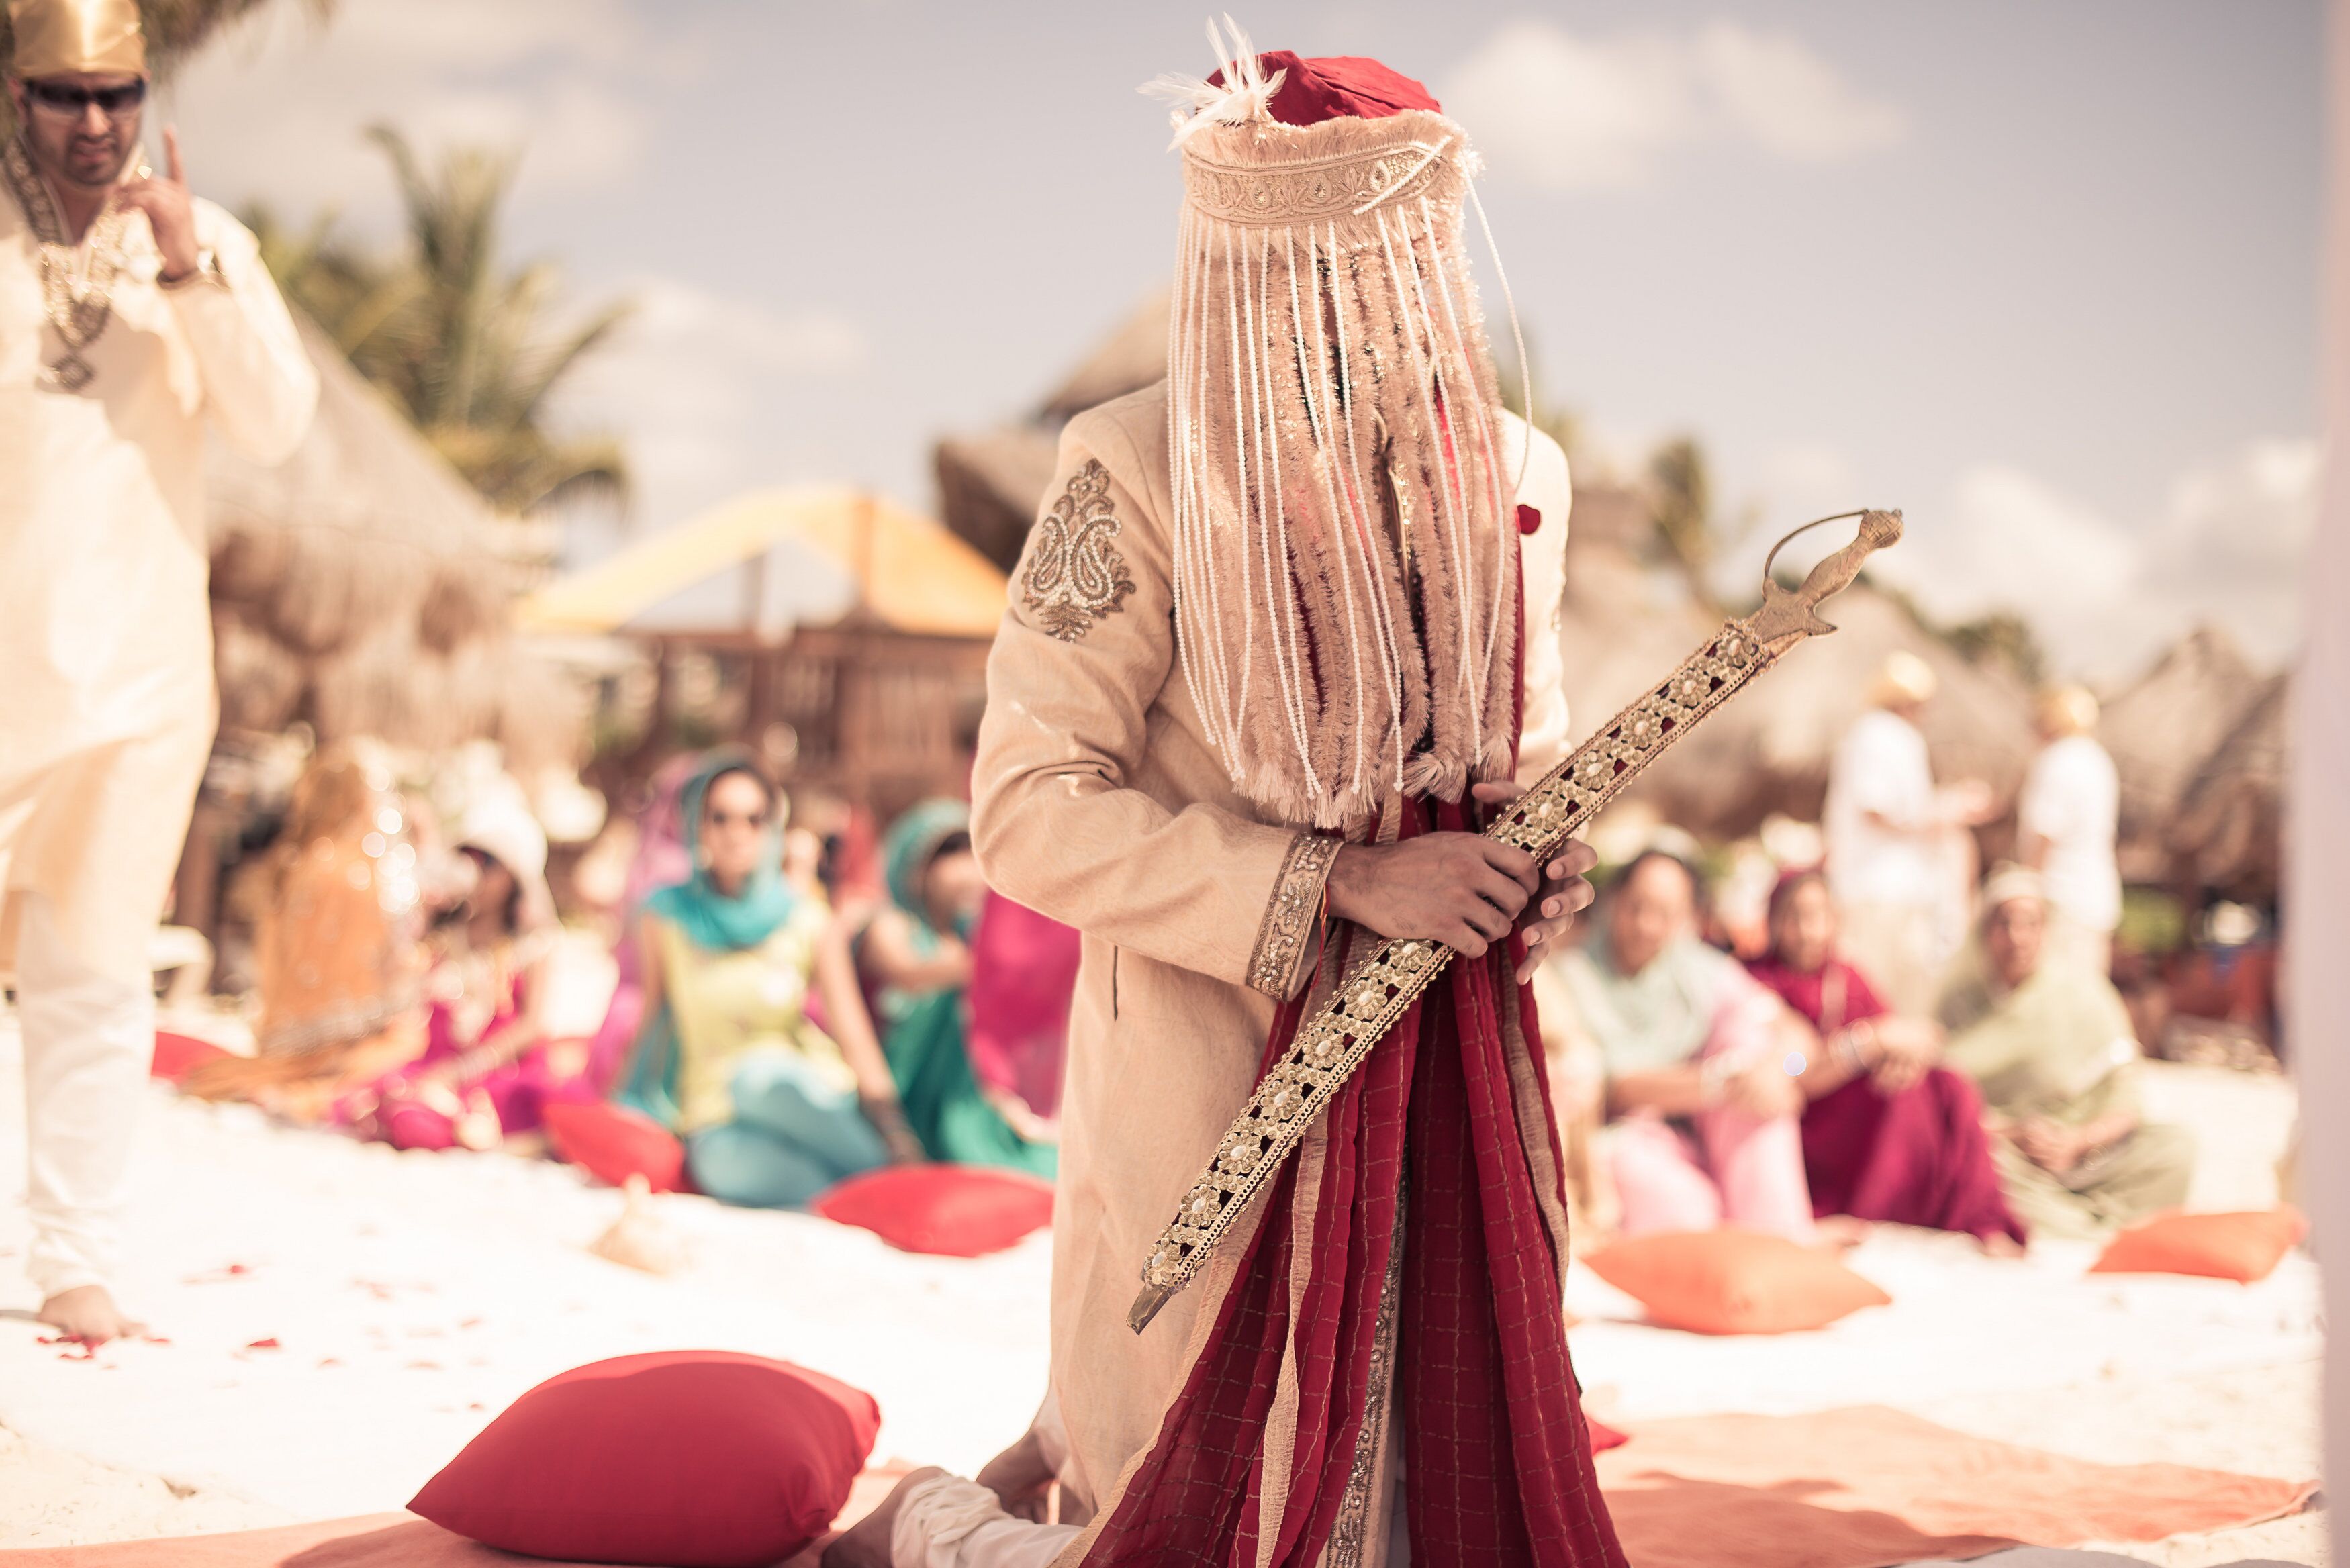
x=177, y=1056
x=957, y=1211
x=1734, y=1281
x=2245, y=1247
x=612, y=1143
x=690, y=1458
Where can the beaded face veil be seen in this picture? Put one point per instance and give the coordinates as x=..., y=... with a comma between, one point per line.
x=1345, y=554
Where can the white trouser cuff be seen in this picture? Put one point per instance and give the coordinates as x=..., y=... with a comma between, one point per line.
x=947, y=1521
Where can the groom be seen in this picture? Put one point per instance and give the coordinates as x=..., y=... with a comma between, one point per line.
x=1284, y=631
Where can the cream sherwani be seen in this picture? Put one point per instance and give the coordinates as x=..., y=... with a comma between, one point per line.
x=105, y=681
x=1099, y=801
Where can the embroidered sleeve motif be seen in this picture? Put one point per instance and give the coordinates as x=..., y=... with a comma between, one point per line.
x=1076, y=576
x=1296, y=896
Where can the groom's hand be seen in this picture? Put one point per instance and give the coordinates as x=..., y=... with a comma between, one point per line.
x=1463, y=890
x=1565, y=893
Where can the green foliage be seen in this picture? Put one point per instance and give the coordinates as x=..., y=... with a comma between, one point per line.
x=2001, y=637
x=1680, y=513
x=460, y=342
x=2152, y=922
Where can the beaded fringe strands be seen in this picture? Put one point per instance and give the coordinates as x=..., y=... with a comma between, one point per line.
x=1346, y=558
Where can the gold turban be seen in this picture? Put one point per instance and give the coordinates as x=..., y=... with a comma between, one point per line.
x=103, y=37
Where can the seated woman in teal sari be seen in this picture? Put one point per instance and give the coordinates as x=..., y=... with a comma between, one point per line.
x=771, y=1108
x=915, y=957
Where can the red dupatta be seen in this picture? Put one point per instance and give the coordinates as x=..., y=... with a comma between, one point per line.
x=1468, y=1324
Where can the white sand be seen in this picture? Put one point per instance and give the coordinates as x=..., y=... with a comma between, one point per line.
x=414, y=1296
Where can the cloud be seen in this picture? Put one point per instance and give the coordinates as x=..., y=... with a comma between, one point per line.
x=2226, y=549
x=277, y=107
x=1771, y=87
x=690, y=383
x=1573, y=113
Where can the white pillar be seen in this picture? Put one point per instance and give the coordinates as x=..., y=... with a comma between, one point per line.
x=2317, y=860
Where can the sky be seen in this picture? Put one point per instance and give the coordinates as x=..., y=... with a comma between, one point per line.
x=2042, y=272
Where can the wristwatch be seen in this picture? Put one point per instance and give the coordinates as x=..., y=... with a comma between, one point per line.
x=206, y=270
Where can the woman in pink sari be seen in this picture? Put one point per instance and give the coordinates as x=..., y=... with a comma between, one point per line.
x=1888, y=1135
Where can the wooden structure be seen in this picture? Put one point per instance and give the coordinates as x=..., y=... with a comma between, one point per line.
x=849, y=635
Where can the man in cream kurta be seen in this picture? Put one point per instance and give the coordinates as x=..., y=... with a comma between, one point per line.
x=107, y=704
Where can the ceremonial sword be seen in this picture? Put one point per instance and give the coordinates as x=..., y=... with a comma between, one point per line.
x=1376, y=994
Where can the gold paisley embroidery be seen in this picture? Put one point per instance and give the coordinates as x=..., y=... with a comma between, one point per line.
x=1296, y=896
x=1076, y=576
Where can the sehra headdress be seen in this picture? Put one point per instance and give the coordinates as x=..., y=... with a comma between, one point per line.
x=103, y=37
x=1346, y=549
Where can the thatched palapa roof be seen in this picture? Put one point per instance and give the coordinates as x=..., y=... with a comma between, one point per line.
x=990, y=483
x=2229, y=830
x=362, y=586
x=2162, y=727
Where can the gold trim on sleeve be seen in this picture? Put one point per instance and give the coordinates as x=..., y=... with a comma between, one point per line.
x=1289, y=915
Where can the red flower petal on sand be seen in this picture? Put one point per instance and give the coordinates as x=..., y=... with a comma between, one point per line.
x=269, y=1344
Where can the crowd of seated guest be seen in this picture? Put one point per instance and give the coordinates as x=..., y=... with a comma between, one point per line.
x=789, y=1031
x=792, y=1032
x=1783, y=1096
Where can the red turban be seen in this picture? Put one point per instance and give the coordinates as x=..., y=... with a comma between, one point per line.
x=1316, y=90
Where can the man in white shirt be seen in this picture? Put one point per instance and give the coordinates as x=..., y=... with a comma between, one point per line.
x=1897, y=856
x=132, y=317
x=2067, y=817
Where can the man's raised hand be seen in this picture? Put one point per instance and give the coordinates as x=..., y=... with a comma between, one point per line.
x=169, y=211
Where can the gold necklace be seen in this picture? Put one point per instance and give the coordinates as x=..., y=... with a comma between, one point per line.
x=76, y=280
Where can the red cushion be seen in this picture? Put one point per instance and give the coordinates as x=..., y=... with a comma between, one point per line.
x=177, y=1056
x=2245, y=1247
x=960, y=1210
x=613, y=1143
x=1734, y=1281
x=692, y=1459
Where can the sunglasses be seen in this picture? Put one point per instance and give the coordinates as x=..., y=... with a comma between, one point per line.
x=66, y=100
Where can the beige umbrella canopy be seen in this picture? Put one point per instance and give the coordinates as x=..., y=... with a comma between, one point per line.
x=363, y=587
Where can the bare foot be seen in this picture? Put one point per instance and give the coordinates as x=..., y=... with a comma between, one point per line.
x=87, y=1314
x=865, y=1544
x=2000, y=1244
x=1021, y=1478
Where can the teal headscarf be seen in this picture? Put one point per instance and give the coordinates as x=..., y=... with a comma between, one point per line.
x=708, y=919
x=909, y=847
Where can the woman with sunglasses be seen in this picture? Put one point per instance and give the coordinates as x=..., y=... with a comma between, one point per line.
x=773, y=1109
